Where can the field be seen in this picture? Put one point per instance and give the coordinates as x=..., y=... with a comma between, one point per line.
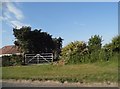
x=83, y=73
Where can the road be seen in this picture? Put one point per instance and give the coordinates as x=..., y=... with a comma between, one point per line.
x=28, y=83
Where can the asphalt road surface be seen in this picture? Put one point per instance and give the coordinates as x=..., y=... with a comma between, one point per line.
x=24, y=83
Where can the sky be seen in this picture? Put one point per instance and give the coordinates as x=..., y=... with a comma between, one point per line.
x=70, y=20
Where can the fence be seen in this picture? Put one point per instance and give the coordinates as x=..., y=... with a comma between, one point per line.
x=39, y=58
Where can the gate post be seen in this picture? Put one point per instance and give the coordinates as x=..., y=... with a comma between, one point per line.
x=25, y=59
x=52, y=57
x=38, y=58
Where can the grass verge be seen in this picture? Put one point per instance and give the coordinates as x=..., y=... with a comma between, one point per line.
x=96, y=72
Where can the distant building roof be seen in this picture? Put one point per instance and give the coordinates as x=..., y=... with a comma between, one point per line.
x=10, y=49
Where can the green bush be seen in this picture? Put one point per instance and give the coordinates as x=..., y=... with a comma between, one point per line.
x=74, y=52
x=74, y=58
x=12, y=60
x=79, y=52
x=16, y=59
x=6, y=61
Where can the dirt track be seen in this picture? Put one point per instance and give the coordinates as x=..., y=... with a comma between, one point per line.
x=28, y=83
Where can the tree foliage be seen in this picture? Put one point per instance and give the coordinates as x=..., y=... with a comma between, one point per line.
x=116, y=44
x=94, y=43
x=73, y=52
x=57, y=47
x=80, y=52
x=36, y=41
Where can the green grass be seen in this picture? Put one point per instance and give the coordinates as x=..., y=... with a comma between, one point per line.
x=97, y=72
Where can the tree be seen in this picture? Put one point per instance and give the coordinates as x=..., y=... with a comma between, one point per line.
x=57, y=47
x=116, y=44
x=21, y=36
x=94, y=43
x=94, y=48
x=34, y=41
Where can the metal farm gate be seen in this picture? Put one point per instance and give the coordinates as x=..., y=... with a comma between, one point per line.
x=38, y=58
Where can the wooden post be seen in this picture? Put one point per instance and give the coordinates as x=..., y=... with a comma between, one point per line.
x=37, y=58
x=52, y=57
x=25, y=60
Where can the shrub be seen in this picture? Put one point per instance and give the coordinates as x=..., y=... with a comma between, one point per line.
x=6, y=61
x=73, y=52
x=16, y=59
x=79, y=52
x=94, y=56
x=12, y=60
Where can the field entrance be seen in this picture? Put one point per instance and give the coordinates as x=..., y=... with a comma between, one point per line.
x=38, y=58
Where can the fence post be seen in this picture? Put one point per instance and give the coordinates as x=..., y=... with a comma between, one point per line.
x=52, y=57
x=25, y=59
x=37, y=58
